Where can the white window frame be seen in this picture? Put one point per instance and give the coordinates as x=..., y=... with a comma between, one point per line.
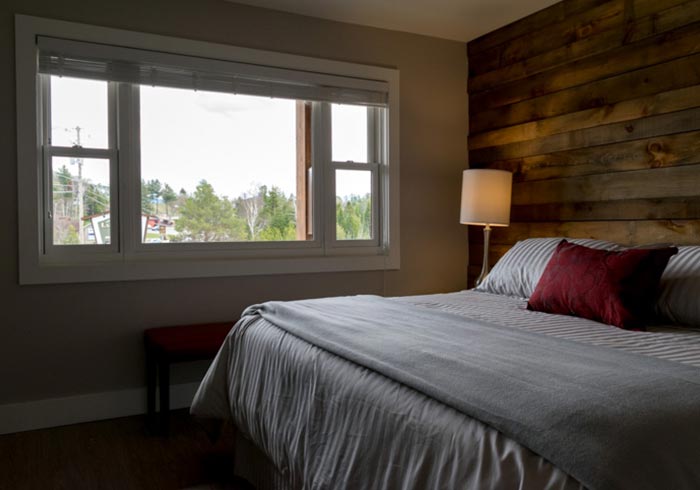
x=376, y=153
x=77, y=252
x=126, y=258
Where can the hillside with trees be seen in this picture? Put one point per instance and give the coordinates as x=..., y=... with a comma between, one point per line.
x=261, y=214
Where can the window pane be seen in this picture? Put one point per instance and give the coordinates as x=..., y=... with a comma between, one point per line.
x=353, y=204
x=80, y=201
x=219, y=167
x=349, y=138
x=79, y=112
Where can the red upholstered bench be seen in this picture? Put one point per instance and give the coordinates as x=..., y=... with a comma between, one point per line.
x=166, y=345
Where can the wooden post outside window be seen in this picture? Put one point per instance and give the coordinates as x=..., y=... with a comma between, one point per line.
x=304, y=199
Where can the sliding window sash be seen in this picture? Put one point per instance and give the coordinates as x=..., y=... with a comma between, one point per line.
x=376, y=166
x=48, y=152
x=374, y=170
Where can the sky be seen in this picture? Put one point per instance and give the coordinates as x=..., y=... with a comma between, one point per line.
x=234, y=142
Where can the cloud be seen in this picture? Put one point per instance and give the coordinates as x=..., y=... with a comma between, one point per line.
x=228, y=104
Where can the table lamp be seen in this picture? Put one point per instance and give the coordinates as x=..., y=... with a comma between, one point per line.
x=486, y=202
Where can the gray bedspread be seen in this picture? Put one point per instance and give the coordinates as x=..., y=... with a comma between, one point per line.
x=611, y=419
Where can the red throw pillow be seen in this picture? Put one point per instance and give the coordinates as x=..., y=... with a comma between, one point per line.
x=617, y=288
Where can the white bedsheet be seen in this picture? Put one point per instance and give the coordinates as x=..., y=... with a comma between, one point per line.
x=327, y=423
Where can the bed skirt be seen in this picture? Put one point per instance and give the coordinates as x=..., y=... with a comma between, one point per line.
x=251, y=464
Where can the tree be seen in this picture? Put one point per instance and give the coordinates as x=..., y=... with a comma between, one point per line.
x=278, y=215
x=354, y=217
x=71, y=236
x=65, y=233
x=250, y=205
x=269, y=214
x=146, y=204
x=62, y=192
x=206, y=217
x=169, y=197
x=181, y=198
x=96, y=199
x=153, y=189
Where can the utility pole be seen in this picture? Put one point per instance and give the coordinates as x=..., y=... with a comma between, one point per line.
x=81, y=204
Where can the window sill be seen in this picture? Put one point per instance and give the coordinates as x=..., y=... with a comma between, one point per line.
x=121, y=269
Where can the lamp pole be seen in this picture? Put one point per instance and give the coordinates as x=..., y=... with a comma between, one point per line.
x=485, y=261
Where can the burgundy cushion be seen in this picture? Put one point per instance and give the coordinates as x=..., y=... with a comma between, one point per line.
x=617, y=288
x=189, y=340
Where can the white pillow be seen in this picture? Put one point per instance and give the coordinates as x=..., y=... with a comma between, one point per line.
x=679, y=298
x=519, y=270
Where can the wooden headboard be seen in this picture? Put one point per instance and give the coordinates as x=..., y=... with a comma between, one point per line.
x=594, y=105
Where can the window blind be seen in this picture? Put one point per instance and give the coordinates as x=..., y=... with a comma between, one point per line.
x=80, y=59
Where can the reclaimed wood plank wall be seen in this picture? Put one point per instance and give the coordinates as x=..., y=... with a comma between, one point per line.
x=594, y=105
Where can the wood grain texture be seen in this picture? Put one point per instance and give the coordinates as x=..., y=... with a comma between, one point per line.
x=648, y=7
x=116, y=455
x=601, y=129
x=683, y=72
x=661, y=151
x=538, y=20
x=639, y=232
x=599, y=36
x=629, y=110
x=652, y=183
x=647, y=127
x=569, y=30
x=667, y=46
x=625, y=209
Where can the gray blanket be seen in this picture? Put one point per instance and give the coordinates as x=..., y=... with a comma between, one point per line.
x=611, y=419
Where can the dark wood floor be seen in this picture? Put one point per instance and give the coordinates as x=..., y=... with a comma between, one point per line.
x=117, y=454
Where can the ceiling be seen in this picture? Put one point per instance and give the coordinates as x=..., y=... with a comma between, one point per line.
x=460, y=20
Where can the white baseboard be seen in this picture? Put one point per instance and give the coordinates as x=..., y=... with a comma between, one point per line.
x=54, y=412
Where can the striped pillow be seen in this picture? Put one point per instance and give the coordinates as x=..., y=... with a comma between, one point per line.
x=679, y=299
x=519, y=270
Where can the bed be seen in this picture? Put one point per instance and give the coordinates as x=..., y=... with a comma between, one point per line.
x=310, y=413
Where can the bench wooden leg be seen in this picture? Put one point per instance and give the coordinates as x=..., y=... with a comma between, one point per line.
x=151, y=380
x=164, y=389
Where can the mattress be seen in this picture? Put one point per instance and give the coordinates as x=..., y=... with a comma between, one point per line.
x=325, y=422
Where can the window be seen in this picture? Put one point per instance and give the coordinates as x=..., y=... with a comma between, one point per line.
x=356, y=160
x=79, y=158
x=150, y=164
x=218, y=167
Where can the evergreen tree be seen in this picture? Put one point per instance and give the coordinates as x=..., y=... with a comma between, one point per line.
x=146, y=204
x=169, y=197
x=278, y=214
x=62, y=192
x=96, y=199
x=206, y=217
x=354, y=218
x=153, y=189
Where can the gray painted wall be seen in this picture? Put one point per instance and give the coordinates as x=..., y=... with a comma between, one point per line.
x=62, y=340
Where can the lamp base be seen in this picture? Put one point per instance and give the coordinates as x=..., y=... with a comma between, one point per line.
x=485, y=261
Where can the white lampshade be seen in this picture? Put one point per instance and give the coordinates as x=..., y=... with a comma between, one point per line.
x=486, y=197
